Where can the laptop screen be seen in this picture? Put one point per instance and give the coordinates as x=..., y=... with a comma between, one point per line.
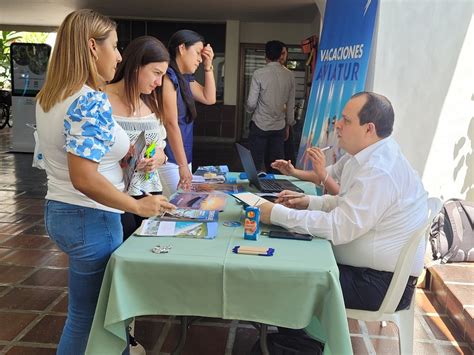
x=248, y=164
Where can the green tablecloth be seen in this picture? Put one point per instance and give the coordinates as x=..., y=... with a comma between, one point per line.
x=297, y=287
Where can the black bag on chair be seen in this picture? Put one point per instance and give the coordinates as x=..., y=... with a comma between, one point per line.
x=452, y=232
x=286, y=344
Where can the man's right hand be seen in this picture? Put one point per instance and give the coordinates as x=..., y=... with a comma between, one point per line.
x=153, y=205
x=318, y=160
x=293, y=199
x=284, y=166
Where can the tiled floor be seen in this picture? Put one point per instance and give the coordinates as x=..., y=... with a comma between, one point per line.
x=33, y=293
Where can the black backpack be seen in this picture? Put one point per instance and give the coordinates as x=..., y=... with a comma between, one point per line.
x=452, y=232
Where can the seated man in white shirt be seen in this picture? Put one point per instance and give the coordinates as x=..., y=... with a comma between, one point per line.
x=380, y=204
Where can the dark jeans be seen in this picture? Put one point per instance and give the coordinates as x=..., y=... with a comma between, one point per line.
x=268, y=144
x=130, y=221
x=289, y=145
x=365, y=288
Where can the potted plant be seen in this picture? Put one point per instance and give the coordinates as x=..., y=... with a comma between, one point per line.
x=6, y=38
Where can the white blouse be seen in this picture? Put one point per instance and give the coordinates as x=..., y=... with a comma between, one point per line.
x=82, y=125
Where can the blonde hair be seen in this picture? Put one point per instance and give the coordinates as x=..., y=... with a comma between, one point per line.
x=72, y=64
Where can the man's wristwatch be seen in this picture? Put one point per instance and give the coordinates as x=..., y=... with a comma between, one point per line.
x=211, y=68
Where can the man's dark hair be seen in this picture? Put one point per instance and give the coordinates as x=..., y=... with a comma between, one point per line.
x=273, y=50
x=378, y=110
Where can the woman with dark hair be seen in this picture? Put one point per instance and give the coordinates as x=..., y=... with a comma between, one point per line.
x=179, y=92
x=137, y=107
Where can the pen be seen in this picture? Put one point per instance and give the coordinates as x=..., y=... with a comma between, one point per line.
x=292, y=196
x=322, y=149
x=144, y=192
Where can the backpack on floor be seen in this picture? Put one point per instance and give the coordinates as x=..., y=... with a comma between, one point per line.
x=452, y=232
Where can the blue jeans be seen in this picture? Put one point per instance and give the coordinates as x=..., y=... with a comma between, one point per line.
x=88, y=236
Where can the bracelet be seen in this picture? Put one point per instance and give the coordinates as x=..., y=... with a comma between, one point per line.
x=211, y=68
x=323, y=183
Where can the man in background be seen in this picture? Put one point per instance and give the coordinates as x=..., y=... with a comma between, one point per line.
x=271, y=101
x=289, y=146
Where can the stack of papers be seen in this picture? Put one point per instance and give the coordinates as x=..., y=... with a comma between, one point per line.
x=210, y=174
x=227, y=188
x=153, y=227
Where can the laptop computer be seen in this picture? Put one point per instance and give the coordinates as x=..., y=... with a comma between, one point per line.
x=263, y=185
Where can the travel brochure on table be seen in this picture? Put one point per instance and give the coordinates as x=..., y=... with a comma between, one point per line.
x=153, y=227
x=211, y=187
x=210, y=174
x=186, y=214
x=200, y=200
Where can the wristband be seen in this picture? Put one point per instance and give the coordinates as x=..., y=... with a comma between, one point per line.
x=211, y=68
x=323, y=183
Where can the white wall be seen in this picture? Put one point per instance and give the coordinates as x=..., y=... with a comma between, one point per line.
x=289, y=33
x=423, y=61
x=231, y=68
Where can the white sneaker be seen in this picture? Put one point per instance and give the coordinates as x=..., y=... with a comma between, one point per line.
x=137, y=349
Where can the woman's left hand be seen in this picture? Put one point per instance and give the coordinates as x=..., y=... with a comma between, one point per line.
x=207, y=54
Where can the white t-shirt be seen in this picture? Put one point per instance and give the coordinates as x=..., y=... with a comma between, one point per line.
x=380, y=204
x=82, y=125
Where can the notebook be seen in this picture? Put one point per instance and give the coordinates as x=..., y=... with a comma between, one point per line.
x=263, y=185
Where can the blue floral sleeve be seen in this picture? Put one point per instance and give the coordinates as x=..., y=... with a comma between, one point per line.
x=89, y=126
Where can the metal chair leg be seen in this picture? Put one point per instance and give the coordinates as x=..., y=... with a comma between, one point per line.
x=182, y=337
x=263, y=339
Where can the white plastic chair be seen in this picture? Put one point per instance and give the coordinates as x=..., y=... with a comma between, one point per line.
x=404, y=319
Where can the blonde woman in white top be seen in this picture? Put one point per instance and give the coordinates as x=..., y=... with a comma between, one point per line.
x=82, y=146
x=137, y=107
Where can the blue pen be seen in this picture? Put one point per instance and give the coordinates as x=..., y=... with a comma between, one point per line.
x=144, y=193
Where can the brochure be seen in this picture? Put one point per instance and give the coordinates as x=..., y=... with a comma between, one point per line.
x=186, y=214
x=209, y=178
x=250, y=199
x=153, y=227
x=210, y=187
x=216, y=169
x=130, y=161
x=200, y=200
x=210, y=174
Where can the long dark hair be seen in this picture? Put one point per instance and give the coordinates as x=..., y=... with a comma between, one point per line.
x=188, y=38
x=140, y=52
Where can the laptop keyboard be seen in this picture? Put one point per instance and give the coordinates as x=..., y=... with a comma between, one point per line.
x=280, y=185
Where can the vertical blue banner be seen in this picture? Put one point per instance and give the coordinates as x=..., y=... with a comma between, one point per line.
x=341, y=70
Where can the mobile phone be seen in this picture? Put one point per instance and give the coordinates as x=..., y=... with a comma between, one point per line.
x=289, y=235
